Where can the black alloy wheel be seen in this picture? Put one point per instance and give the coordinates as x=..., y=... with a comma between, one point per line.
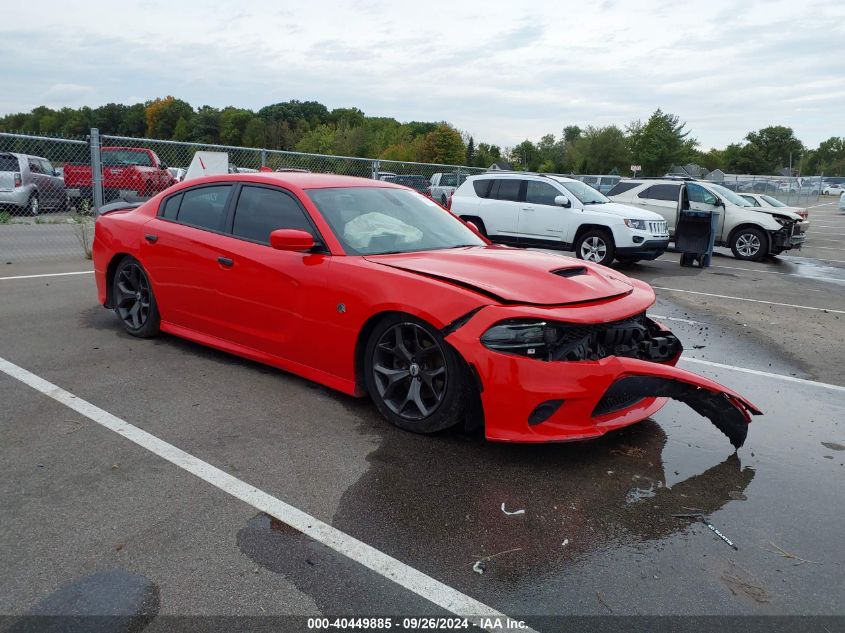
x=133, y=299
x=414, y=376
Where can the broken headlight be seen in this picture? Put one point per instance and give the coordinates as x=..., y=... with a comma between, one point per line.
x=528, y=338
x=634, y=337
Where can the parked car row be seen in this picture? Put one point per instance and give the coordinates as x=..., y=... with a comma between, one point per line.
x=635, y=221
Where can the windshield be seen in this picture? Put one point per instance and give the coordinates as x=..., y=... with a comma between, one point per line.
x=379, y=220
x=125, y=157
x=585, y=193
x=730, y=196
x=773, y=201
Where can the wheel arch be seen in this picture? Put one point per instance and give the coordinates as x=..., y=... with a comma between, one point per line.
x=584, y=228
x=111, y=269
x=474, y=413
x=749, y=225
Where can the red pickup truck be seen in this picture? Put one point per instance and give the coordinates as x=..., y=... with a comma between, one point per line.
x=135, y=171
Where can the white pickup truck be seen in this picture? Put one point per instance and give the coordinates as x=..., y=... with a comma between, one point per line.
x=443, y=185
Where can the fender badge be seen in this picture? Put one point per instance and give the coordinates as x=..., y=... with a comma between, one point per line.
x=341, y=308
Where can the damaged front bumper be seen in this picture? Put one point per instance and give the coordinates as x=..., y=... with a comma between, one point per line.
x=529, y=399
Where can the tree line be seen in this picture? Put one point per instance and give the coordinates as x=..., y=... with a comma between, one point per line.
x=309, y=126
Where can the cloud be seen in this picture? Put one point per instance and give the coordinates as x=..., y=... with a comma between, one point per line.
x=499, y=70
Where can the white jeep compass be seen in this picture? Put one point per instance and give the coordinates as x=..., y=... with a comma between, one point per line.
x=550, y=211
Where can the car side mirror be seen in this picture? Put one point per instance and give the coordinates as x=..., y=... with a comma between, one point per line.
x=164, y=165
x=562, y=201
x=291, y=240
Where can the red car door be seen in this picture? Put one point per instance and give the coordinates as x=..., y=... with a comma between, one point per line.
x=185, y=252
x=275, y=301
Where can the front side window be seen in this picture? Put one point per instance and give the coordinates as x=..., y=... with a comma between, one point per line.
x=46, y=167
x=509, y=189
x=585, y=193
x=261, y=210
x=697, y=193
x=34, y=166
x=752, y=200
x=380, y=220
x=774, y=202
x=540, y=193
x=729, y=195
x=205, y=207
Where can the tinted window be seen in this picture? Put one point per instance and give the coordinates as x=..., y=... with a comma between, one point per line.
x=697, y=193
x=482, y=187
x=8, y=163
x=509, y=189
x=540, y=193
x=262, y=210
x=34, y=166
x=661, y=192
x=622, y=187
x=171, y=207
x=205, y=207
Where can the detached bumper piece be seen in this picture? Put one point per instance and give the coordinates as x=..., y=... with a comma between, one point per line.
x=729, y=414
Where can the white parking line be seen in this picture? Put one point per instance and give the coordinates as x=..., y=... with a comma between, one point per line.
x=826, y=248
x=81, y=272
x=419, y=583
x=773, y=303
x=668, y=318
x=766, y=374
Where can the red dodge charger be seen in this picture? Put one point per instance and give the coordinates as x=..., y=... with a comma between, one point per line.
x=371, y=288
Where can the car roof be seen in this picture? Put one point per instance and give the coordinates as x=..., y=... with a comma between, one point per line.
x=295, y=179
x=523, y=174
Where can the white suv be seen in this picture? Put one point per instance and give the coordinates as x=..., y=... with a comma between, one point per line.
x=555, y=212
x=750, y=232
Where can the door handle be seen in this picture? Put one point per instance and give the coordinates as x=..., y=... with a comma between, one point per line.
x=152, y=239
x=527, y=208
x=228, y=262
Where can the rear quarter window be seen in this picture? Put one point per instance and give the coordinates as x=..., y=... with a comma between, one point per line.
x=622, y=187
x=482, y=187
x=9, y=163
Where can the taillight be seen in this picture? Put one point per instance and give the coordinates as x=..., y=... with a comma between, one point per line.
x=18, y=180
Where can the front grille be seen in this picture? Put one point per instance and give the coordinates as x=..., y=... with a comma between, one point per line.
x=657, y=227
x=615, y=401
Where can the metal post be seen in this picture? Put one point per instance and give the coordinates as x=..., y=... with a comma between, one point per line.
x=96, y=170
x=263, y=157
x=376, y=169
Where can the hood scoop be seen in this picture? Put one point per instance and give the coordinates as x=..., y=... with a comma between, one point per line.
x=570, y=272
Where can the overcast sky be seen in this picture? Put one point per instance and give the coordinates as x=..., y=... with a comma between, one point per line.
x=501, y=71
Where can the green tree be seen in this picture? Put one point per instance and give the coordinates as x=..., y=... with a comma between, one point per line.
x=660, y=143
x=205, y=126
x=601, y=150
x=470, y=157
x=775, y=145
x=444, y=145
x=254, y=133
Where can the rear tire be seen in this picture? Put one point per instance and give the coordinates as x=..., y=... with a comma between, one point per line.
x=134, y=301
x=749, y=244
x=595, y=246
x=415, y=378
x=32, y=206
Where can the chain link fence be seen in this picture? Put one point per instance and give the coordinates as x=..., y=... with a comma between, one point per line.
x=50, y=188
x=794, y=191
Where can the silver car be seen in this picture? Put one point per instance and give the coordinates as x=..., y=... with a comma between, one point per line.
x=30, y=184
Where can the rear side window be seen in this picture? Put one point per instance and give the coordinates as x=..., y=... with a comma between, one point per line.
x=482, y=187
x=35, y=166
x=540, y=193
x=205, y=207
x=661, y=192
x=509, y=189
x=261, y=210
x=622, y=187
x=9, y=163
x=171, y=207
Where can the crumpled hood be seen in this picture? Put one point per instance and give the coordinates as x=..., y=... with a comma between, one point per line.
x=787, y=212
x=515, y=275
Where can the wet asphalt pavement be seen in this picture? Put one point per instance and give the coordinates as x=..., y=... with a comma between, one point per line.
x=597, y=536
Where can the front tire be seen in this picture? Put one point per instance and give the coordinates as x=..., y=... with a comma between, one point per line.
x=415, y=378
x=134, y=301
x=595, y=246
x=749, y=244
